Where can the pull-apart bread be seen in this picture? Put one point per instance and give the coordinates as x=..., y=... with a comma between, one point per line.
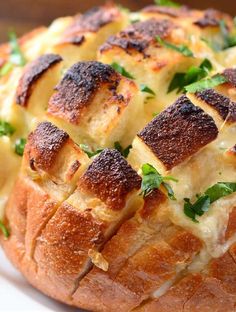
x=118, y=159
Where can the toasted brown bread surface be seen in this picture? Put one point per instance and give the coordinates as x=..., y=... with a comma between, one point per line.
x=88, y=223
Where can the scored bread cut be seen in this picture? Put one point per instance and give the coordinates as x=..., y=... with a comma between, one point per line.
x=95, y=103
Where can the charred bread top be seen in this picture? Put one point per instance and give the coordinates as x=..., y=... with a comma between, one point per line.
x=94, y=19
x=230, y=75
x=211, y=18
x=220, y=103
x=139, y=35
x=32, y=73
x=110, y=178
x=78, y=87
x=179, y=132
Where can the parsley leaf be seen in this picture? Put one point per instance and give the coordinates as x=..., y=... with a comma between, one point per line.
x=203, y=202
x=205, y=84
x=4, y=230
x=167, y=3
x=124, y=151
x=193, y=74
x=85, y=148
x=20, y=146
x=120, y=69
x=6, y=128
x=229, y=39
x=16, y=56
x=146, y=89
x=152, y=179
x=183, y=49
x=220, y=189
x=5, y=69
x=177, y=82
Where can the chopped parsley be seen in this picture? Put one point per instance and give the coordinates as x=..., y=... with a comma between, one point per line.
x=146, y=89
x=4, y=230
x=155, y=114
x=183, y=49
x=167, y=3
x=206, y=84
x=16, y=55
x=203, y=202
x=152, y=179
x=193, y=74
x=6, y=128
x=85, y=148
x=124, y=151
x=20, y=146
x=120, y=69
x=5, y=69
x=229, y=39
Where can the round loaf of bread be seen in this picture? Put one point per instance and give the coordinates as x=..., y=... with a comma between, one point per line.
x=124, y=196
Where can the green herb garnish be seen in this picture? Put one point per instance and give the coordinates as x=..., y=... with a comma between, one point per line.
x=4, y=230
x=85, y=148
x=16, y=56
x=206, y=84
x=193, y=74
x=120, y=69
x=183, y=49
x=152, y=179
x=5, y=69
x=203, y=202
x=167, y=3
x=20, y=146
x=146, y=89
x=229, y=39
x=6, y=128
x=124, y=151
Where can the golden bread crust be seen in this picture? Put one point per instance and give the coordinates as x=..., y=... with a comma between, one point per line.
x=91, y=228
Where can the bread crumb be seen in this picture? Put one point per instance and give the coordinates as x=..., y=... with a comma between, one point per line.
x=98, y=260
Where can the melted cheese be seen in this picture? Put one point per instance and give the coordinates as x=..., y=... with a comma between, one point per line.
x=203, y=170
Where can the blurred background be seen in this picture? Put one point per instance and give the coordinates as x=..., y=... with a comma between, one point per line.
x=23, y=15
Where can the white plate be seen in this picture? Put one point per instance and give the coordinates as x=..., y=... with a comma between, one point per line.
x=16, y=295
